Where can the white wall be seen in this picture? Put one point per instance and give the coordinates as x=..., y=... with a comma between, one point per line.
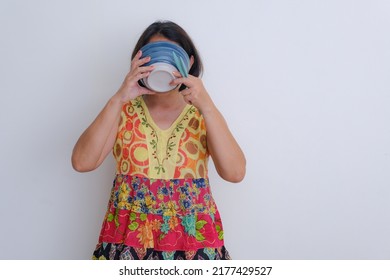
x=304, y=86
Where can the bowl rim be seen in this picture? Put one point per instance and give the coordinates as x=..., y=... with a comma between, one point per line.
x=160, y=67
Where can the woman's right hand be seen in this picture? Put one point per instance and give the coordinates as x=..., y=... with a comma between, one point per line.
x=98, y=139
x=130, y=89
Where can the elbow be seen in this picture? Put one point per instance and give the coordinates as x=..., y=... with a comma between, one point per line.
x=234, y=176
x=80, y=165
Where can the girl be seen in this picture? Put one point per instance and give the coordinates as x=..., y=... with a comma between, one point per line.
x=161, y=206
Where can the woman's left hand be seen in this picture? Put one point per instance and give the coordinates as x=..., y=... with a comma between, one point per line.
x=195, y=93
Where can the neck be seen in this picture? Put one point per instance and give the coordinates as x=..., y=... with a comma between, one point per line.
x=171, y=99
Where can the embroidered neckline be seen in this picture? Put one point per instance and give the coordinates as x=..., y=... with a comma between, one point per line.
x=157, y=133
x=154, y=124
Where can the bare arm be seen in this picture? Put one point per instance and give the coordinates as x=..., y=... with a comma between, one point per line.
x=98, y=139
x=227, y=155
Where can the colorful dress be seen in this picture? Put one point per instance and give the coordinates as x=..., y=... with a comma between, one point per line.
x=161, y=206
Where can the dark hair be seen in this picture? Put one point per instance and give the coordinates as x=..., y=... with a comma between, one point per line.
x=175, y=33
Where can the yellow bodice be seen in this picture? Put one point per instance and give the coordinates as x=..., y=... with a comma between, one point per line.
x=143, y=149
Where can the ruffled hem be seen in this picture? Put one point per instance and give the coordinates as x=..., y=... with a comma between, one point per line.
x=112, y=251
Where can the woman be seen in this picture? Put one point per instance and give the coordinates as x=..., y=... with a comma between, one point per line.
x=161, y=206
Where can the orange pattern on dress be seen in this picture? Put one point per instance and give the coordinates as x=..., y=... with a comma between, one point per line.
x=192, y=153
x=186, y=145
x=130, y=148
x=161, y=198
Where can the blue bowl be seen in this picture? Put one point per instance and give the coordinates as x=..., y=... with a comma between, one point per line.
x=167, y=52
x=166, y=57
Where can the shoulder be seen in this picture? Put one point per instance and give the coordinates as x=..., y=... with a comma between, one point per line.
x=196, y=120
x=131, y=107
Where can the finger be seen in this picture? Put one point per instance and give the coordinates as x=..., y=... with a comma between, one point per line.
x=138, y=61
x=187, y=100
x=179, y=81
x=188, y=82
x=143, y=60
x=185, y=92
x=138, y=55
x=135, y=77
x=144, y=69
x=177, y=74
x=179, y=78
x=142, y=75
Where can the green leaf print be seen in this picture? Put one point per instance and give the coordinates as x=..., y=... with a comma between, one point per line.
x=133, y=226
x=116, y=218
x=159, y=169
x=110, y=217
x=218, y=228
x=145, y=122
x=143, y=217
x=179, y=127
x=171, y=146
x=200, y=224
x=153, y=143
x=133, y=216
x=199, y=236
x=220, y=235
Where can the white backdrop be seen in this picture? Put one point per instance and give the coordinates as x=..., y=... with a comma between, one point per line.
x=304, y=86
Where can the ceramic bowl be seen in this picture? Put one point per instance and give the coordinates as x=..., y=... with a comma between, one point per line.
x=166, y=57
x=161, y=76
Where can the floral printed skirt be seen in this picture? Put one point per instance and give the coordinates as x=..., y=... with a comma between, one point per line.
x=161, y=219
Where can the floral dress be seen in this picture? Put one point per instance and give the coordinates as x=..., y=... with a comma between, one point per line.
x=161, y=206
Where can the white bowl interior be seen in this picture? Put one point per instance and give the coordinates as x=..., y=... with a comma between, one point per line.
x=159, y=79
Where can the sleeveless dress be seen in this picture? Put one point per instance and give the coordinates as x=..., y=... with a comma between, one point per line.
x=161, y=206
